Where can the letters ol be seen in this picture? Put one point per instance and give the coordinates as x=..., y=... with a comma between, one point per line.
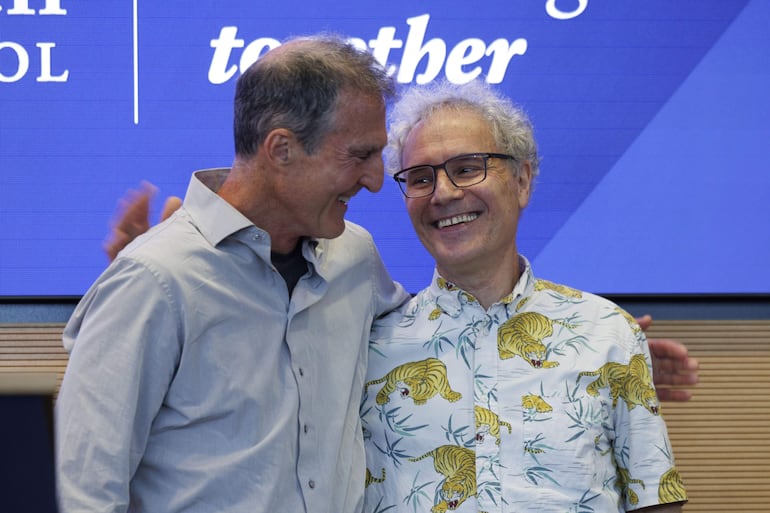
x=22, y=58
x=21, y=8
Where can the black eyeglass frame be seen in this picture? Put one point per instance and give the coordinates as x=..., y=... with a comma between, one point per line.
x=401, y=181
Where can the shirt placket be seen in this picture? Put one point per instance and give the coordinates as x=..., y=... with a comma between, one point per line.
x=308, y=415
x=486, y=409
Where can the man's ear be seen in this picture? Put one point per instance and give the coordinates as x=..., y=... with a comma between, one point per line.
x=280, y=146
x=525, y=183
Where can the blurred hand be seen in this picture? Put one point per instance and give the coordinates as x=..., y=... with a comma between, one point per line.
x=671, y=366
x=133, y=217
x=170, y=206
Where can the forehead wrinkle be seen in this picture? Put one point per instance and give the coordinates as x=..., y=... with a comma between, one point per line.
x=441, y=135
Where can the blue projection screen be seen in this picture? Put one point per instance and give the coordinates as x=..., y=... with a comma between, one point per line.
x=653, y=120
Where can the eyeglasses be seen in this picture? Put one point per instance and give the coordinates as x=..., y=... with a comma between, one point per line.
x=463, y=171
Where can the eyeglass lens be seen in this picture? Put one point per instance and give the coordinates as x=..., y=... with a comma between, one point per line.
x=463, y=171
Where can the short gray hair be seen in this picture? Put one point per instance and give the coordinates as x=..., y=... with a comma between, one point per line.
x=296, y=86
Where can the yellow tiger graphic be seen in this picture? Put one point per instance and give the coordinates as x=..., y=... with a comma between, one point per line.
x=598, y=446
x=630, y=320
x=631, y=382
x=533, y=450
x=535, y=403
x=624, y=482
x=541, y=284
x=523, y=302
x=448, y=285
x=522, y=335
x=561, y=289
x=458, y=466
x=418, y=380
x=488, y=422
x=371, y=479
x=671, y=487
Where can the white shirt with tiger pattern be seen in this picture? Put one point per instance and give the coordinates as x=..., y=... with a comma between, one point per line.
x=549, y=392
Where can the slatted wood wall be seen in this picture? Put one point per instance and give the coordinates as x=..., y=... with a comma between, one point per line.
x=32, y=349
x=721, y=438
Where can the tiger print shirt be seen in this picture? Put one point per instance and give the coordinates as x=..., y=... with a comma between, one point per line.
x=544, y=402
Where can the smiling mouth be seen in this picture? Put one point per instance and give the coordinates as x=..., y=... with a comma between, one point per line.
x=451, y=221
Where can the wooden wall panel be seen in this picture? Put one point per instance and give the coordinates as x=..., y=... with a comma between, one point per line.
x=32, y=349
x=721, y=437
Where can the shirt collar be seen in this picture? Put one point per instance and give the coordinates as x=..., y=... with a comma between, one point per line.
x=451, y=299
x=214, y=217
x=217, y=219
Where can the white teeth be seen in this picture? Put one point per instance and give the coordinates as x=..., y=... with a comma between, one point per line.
x=344, y=200
x=464, y=218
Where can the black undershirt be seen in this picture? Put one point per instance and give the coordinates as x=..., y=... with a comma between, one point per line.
x=292, y=266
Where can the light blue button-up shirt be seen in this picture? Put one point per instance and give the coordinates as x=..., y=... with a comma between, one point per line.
x=196, y=384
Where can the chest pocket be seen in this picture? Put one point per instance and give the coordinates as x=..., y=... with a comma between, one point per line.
x=567, y=441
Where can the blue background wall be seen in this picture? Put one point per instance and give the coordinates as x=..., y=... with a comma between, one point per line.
x=652, y=119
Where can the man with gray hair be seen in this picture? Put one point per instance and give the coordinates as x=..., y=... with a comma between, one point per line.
x=208, y=371
x=493, y=390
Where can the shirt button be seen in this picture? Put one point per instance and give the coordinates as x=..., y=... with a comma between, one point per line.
x=305, y=428
x=301, y=372
x=311, y=483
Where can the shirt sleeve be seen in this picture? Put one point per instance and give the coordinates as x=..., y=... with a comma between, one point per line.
x=643, y=452
x=124, y=343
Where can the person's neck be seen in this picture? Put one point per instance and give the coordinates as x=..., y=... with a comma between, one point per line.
x=255, y=197
x=488, y=285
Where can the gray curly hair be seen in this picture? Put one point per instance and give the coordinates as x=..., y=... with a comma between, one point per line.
x=511, y=127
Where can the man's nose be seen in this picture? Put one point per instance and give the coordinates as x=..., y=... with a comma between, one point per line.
x=373, y=176
x=444, y=188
